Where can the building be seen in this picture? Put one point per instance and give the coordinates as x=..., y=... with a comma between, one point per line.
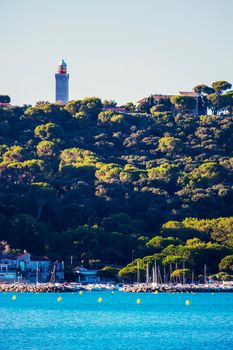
x=39, y=269
x=62, y=83
x=87, y=276
x=6, y=275
x=158, y=97
x=30, y=268
x=114, y=109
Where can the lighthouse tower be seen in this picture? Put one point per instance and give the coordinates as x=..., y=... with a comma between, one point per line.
x=62, y=83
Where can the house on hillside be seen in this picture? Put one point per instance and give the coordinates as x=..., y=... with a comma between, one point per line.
x=158, y=97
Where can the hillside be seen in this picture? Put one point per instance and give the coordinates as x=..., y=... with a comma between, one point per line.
x=112, y=187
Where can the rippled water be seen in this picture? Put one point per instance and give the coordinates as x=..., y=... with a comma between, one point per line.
x=78, y=322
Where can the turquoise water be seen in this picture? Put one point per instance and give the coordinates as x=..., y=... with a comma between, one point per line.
x=78, y=322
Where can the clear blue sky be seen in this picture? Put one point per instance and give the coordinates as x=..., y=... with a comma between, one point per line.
x=115, y=49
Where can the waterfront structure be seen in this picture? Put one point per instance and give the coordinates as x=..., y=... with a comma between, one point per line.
x=6, y=275
x=87, y=276
x=28, y=267
x=62, y=83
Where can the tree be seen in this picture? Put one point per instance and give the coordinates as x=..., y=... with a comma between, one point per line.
x=129, y=106
x=220, y=86
x=180, y=273
x=165, y=172
x=109, y=172
x=73, y=106
x=5, y=99
x=203, y=89
x=226, y=264
x=15, y=154
x=109, y=103
x=92, y=106
x=46, y=149
x=170, y=144
x=43, y=193
x=216, y=102
x=227, y=101
x=184, y=103
x=49, y=131
x=159, y=242
x=108, y=272
x=203, y=103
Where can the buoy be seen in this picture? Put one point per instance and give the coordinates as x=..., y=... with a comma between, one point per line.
x=187, y=302
x=156, y=292
x=14, y=297
x=81, y=292
x=100, y=300
x=138, y=301
x=59, y=299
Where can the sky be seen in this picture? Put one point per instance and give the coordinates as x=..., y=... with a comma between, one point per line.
x=115, y=49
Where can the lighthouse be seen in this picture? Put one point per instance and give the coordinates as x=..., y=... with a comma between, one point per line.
x=62, y=83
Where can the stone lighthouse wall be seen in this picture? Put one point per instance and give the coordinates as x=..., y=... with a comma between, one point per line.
x=62, y=87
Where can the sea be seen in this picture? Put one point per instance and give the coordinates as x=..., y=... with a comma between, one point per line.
x=116, y=321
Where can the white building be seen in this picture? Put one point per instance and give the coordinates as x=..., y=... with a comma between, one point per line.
x=29, y=267
x=87, y=276
x=7, y=276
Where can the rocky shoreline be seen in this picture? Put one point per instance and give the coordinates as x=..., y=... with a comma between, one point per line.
x=140, y=288
x=177, y=289
x=33, y=288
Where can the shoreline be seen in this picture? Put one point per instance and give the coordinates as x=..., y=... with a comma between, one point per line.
x=140, y=288
x=166, y=288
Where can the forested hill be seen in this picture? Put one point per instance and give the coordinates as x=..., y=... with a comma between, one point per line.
x=100, y=185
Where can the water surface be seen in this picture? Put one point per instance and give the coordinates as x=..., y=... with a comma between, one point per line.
x=79, y=322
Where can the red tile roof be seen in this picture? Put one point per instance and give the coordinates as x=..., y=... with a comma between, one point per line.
x=157, y=97
x=188, y=93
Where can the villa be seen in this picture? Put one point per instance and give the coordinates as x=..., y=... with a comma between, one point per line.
x=158, y=97
x=24, y=266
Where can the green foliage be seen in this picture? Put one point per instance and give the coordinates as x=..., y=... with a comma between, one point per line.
x=159, y=242
x=108, y=272
x=14, y=154
x=47, y=149
x=49, y=131
x=5, y=99
x=220, y=86
x=109, y=172
x=180, y=273
x=184, y=103
x=226, y=264
x=120, y=187
x=170, y=144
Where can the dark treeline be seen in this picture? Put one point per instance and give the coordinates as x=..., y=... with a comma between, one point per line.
x=114, y=187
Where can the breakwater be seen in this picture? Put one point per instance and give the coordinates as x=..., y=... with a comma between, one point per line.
x=166, y=288
x=33, y=288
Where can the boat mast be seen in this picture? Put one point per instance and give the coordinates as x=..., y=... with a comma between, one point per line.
x=170, y=272
x=183, y=273
x=193, y=276
x=205, y=274
x=53, y=275
x=37, y=271
x=164, y=275
x=138, y=271
x=156, y=274
x=147, y=274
